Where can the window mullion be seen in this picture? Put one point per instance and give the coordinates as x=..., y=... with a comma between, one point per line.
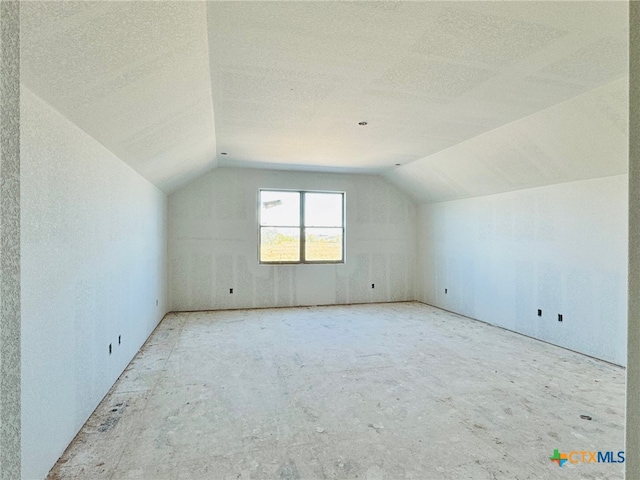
x=344, y=237
x=302, y=233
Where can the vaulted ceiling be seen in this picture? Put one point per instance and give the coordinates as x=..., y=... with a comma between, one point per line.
x=470, y=98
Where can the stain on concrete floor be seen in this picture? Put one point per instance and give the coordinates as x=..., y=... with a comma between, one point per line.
x=384, y=391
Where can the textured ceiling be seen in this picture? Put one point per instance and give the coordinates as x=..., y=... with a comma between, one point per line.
x=292, y=80
x=134, y=75
x=289, y=82
x=582, y=138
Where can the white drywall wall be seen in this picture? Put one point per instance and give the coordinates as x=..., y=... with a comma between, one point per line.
x=559, y=248
x=213, y=244
x=93, y=264
x=632, y=466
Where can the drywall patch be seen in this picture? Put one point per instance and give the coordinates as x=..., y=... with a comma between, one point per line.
x=180, y=291
x=359, y=280
x=202, y=273
x=264, y=285
x=399, y=277
x=284, y=287
x=224, y=281
x=379, y=277
x=244, y=281
x=10, y=354
x=342, y=293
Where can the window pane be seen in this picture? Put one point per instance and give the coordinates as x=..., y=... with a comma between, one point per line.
x=279, y=244
x=280, y=209
x=323, y=244
x=323, y=209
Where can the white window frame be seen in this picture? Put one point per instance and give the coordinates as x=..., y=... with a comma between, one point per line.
x=302, y=227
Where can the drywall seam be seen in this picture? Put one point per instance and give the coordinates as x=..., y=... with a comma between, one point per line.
x=555, y=106
x=632, y=447
x=10, y=453
x=213, y=242
x=517, y=190
x=585, y=137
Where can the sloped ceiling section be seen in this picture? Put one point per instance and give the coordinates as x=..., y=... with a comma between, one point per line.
x=289, y=83
x=582, y=138
x=133, y=75
x=292, y=80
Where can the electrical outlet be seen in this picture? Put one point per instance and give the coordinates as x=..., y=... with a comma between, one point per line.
x=446, y=290
x=109, y=349
x=373, y=285
x=559, y=317
x=539, y=312
x=231, y=290
x=119, y=339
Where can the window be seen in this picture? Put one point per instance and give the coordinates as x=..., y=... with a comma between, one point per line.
x=301, y=227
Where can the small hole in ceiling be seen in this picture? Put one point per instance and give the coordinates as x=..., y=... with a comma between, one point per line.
x=223, y=153
x=362, y=123
x=397, y=164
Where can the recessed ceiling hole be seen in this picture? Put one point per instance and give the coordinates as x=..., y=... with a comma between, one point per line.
x=362, y=123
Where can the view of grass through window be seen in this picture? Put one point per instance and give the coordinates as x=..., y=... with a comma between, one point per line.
x=287, y=218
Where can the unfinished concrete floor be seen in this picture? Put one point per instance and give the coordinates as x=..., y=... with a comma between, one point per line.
x=385, y=391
